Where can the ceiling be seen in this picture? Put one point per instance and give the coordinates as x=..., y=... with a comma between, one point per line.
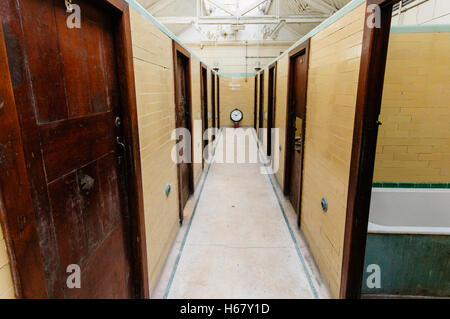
x=217, y=21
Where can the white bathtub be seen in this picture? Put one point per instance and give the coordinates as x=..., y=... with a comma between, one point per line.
x=410, y=211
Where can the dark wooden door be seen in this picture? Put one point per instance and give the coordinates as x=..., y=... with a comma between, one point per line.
x=183, y=120
x=261, y=105
x=66, y=88
x=218, y=101
x=297, y=117
x=213, y=99
x=255, y=108
x=271, y=110
x=204, y=89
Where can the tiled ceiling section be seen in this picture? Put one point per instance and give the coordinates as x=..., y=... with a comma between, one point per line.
x=217, y=21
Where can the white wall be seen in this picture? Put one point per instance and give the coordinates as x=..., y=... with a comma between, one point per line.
x=231, y=58
x=427, y=12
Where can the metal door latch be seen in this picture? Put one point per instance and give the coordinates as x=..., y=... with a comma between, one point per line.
x=118, y=122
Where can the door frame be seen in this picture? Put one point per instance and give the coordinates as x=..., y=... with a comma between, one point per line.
x=365, y=133
x=178, y=49
x=25, y=254
x=271, y=110
x=302, y=49
x=204, y=106
x=261, y=105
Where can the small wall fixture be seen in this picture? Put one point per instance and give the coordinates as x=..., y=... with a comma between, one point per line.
x=324, y=204
x=168, y=187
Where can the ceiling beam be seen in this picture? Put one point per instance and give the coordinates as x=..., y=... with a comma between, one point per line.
x=292, y=29
x=252, y=6
x=304, y=18
x=221, y=7
x=269, y=4
x=158, y=6
x=274, y=33
x=259, y=43
x=321, y=6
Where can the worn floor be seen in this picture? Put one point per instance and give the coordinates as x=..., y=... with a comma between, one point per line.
x=239, y=240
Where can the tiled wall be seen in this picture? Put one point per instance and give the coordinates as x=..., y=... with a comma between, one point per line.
x=154, y=78
x=196, y=117
x=414, y=140
x=280, y=111
x=331, y=99
x=153, y=64
x=237, y=92
x=332, y=87
x=6, y=282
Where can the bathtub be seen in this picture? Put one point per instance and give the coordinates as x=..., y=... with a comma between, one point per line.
x=409, y=238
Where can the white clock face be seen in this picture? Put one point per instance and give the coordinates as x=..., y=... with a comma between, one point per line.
x=236, y=115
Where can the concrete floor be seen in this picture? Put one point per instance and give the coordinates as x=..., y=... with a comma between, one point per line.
x=239, y=240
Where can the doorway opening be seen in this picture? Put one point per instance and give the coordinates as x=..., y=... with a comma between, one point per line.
x=271, y=105
x=183, y=119
x=213, y=100
x=255, y=108
x=296, y=124
x=204, y=97
x=261, y=106
x=218, y=101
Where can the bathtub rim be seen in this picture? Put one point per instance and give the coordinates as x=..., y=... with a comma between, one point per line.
x=407, y=230
x=374, y=228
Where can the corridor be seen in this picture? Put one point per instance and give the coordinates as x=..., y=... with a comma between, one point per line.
x=240, y=238
x=135, y=161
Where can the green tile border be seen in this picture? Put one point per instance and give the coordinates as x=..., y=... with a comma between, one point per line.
x=410, y=185
x=414, y=28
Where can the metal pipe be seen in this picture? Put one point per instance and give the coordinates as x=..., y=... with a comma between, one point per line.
x=408, y=8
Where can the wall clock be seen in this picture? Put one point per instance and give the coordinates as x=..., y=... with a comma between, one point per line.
x=236, y=116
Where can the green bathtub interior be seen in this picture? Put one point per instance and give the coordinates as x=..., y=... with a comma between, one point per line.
x=411, y=265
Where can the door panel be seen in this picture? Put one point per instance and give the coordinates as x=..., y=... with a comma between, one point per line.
x=261, y=105
x=297, y=117
x=295, y=180
x=68, y=98
x=255, y=108
x=300, y=78
x=218, y=102
x=213, y=99
x=183, y=116
x=271, y=110
x=204, y=79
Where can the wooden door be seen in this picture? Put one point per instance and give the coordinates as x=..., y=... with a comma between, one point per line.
x=213, y=99
x=218, y=101
x=261, y=105
x=67, y=95
x=271, y=110
x=204, y=95
x=255, y=108
x=183, y=120
x=296, y=127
